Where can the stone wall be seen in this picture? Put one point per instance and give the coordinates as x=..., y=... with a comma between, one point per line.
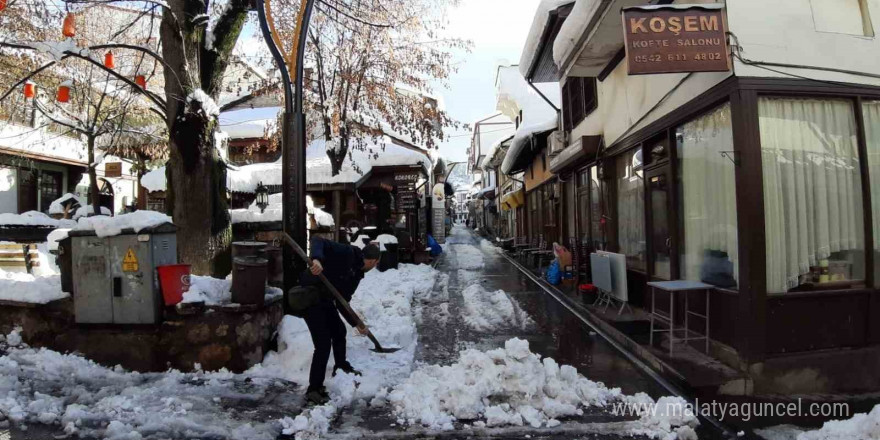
x=232, y=337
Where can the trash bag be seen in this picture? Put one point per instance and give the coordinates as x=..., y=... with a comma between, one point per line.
x=435, y=247
x=554, y=274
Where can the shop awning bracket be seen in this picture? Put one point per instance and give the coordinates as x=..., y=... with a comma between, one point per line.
x=732, y=156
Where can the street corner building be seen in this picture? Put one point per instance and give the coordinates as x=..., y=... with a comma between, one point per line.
x=731, y=145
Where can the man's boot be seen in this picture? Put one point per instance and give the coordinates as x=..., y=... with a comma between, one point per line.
x=317, y=396
x=347, y=368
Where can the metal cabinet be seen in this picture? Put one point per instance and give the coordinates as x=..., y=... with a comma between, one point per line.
x=114, y=278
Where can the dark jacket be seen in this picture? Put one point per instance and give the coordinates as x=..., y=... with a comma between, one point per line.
x=343, y=266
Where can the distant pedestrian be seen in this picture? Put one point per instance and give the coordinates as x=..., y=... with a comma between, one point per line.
x=344, y=266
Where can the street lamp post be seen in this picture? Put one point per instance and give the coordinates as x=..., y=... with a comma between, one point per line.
x=293, y=133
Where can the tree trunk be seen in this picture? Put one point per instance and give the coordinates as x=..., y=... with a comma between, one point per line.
x=93, y=179
x=196, y=187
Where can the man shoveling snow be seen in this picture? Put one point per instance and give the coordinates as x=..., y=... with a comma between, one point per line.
x=345, y=267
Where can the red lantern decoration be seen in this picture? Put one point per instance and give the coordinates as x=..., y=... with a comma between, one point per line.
x=109, y=62
x=141, y=81
x=30, y=90
x=69, y=29
x=2, y=5
x=63, y=94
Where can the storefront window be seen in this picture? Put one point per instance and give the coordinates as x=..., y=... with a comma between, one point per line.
x=812, y=193
x=708, y=199
x=871, y=111
x=631, y=208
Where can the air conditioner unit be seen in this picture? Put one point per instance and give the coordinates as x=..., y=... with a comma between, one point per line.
x=557, y=142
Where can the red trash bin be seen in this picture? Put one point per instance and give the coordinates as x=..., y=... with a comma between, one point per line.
x=174, y=280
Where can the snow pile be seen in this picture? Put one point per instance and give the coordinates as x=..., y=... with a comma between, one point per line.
x=485, y=310
x=504, y=386
x=468, y=257
x=44, y=386
x=23, y=287
x=860, y=426
x=206, y=103
x=385, y=302
x=215, y=291
x=87, y=210
x=154, y=180
x=513, y=386
x=488, y=247
x=109, y=226
x=30, y=218
x=57, y=206
x=55, y=237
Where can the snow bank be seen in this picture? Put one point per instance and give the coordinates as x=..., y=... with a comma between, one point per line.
x=44, y=386
x=215, y=291
x=23, y=287
x=109, y=226
x=57, y=206
x=484, y=310
x=154, y=180
x=513, y=386
x=87, y=210
x=30, y=218
x=860, y=426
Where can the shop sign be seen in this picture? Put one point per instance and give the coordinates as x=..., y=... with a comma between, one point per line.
x=668, y=39
x=113, y=169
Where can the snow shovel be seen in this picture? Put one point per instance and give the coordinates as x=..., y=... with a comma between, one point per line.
x=357, y=319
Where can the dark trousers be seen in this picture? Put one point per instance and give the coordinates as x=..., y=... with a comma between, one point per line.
x=328, y=332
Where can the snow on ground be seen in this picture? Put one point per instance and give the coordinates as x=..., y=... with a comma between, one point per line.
x=216, y=291
x=484, y=310
x=110, y=226
x=385, y=301
x=468, y=257
x=860, y=426
x=44, y=386
x=23, y=287
x=513, y=386
x=488, y=247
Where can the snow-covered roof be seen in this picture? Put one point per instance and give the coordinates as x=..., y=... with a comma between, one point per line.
x=250, y=123
x=539, y=26
x=42, y=142
x=493, y=150
x=513, y=91
x=274, y=211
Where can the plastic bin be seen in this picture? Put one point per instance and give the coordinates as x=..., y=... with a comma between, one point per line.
x=174, y=280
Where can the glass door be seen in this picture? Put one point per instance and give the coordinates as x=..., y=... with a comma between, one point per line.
x=661, y=229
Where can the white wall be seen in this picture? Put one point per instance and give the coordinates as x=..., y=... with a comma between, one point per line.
x=784, y=31
x=781, y=31
x=8, y=191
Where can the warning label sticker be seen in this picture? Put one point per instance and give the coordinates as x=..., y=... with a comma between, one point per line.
x=130, y=262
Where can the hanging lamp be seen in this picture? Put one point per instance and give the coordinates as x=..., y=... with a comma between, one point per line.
x=63, y=94
x=30, y=90
x=109, y=61
x=69, y=28
x=141, y=81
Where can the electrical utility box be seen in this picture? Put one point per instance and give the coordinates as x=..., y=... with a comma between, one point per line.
x=114, y=278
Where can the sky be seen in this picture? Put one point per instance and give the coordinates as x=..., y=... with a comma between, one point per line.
x=498, y=30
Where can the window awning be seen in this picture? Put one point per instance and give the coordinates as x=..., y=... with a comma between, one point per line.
x=580, y=152
x=513, y=200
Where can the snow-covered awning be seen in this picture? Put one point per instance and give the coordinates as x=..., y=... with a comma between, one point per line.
x=517, y=159
x=540, y=24
x=493, y=151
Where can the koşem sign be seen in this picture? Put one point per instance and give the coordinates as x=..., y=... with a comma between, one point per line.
x=675, y=38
